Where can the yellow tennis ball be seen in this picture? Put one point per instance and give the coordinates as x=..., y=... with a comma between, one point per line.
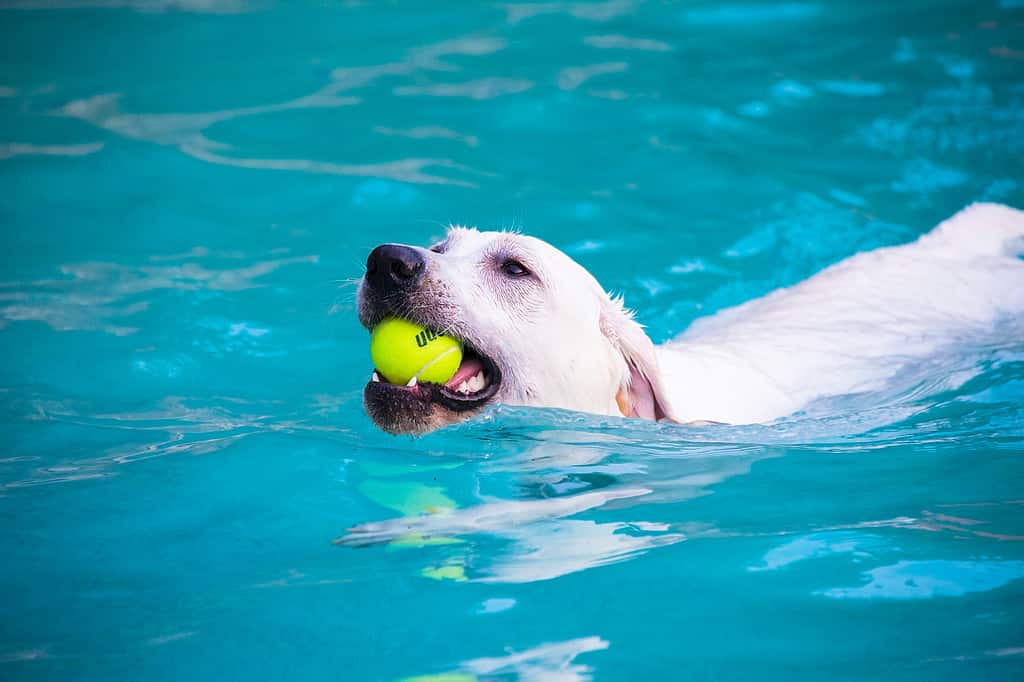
x=402, y=350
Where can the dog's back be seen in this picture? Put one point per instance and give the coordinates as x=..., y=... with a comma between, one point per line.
x=854, y=326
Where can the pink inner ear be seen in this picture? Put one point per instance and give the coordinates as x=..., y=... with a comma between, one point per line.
x=641, y=395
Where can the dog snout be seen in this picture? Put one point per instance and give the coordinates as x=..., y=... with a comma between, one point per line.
x=393, y=267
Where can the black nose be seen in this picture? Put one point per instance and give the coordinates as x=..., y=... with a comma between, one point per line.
x=393, y=267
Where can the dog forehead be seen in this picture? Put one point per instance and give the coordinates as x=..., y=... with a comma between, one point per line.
x=465, y=240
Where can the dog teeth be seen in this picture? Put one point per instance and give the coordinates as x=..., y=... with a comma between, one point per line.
x=376, y=377
x=477, y=382
x=472, y=385
x=412, y=383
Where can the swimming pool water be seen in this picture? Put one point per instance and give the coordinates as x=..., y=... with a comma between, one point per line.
x=189, y=191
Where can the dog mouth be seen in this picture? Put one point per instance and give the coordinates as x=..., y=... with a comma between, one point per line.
x=474, y=384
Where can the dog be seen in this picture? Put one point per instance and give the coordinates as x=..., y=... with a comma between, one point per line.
x=539, y=330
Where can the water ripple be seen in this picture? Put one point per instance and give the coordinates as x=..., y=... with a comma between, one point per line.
x=95, y=295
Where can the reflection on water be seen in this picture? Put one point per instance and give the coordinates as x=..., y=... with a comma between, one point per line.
x=495, y=517
x=187, y=132
x=551, y=549
x=544, y=544
x=926, y=579
x=815, y=546
x=548, y=662
x=10, y=150
x=91, y=295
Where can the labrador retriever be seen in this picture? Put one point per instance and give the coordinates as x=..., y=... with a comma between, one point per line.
x=539, y=330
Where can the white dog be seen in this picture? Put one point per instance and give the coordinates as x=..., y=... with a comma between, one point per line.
x=539, y=330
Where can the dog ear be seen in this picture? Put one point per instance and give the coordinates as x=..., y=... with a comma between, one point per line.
x=642, y=393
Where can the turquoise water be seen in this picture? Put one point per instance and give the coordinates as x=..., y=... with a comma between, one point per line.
x=189, y=190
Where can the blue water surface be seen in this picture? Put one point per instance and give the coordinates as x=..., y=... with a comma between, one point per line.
x=189, y=191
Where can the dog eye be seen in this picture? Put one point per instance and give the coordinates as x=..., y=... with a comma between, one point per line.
x=514, y=268
x=439, y=247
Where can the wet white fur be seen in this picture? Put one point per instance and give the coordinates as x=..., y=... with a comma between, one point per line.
x=849, y=328
x=854, y=325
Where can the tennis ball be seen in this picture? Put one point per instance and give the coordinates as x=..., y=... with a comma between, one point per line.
x=402, y=350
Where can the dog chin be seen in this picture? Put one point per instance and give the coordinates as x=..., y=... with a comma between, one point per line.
x=398, y=411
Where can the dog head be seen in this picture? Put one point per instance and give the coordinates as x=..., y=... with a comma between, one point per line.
x=537, y=329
